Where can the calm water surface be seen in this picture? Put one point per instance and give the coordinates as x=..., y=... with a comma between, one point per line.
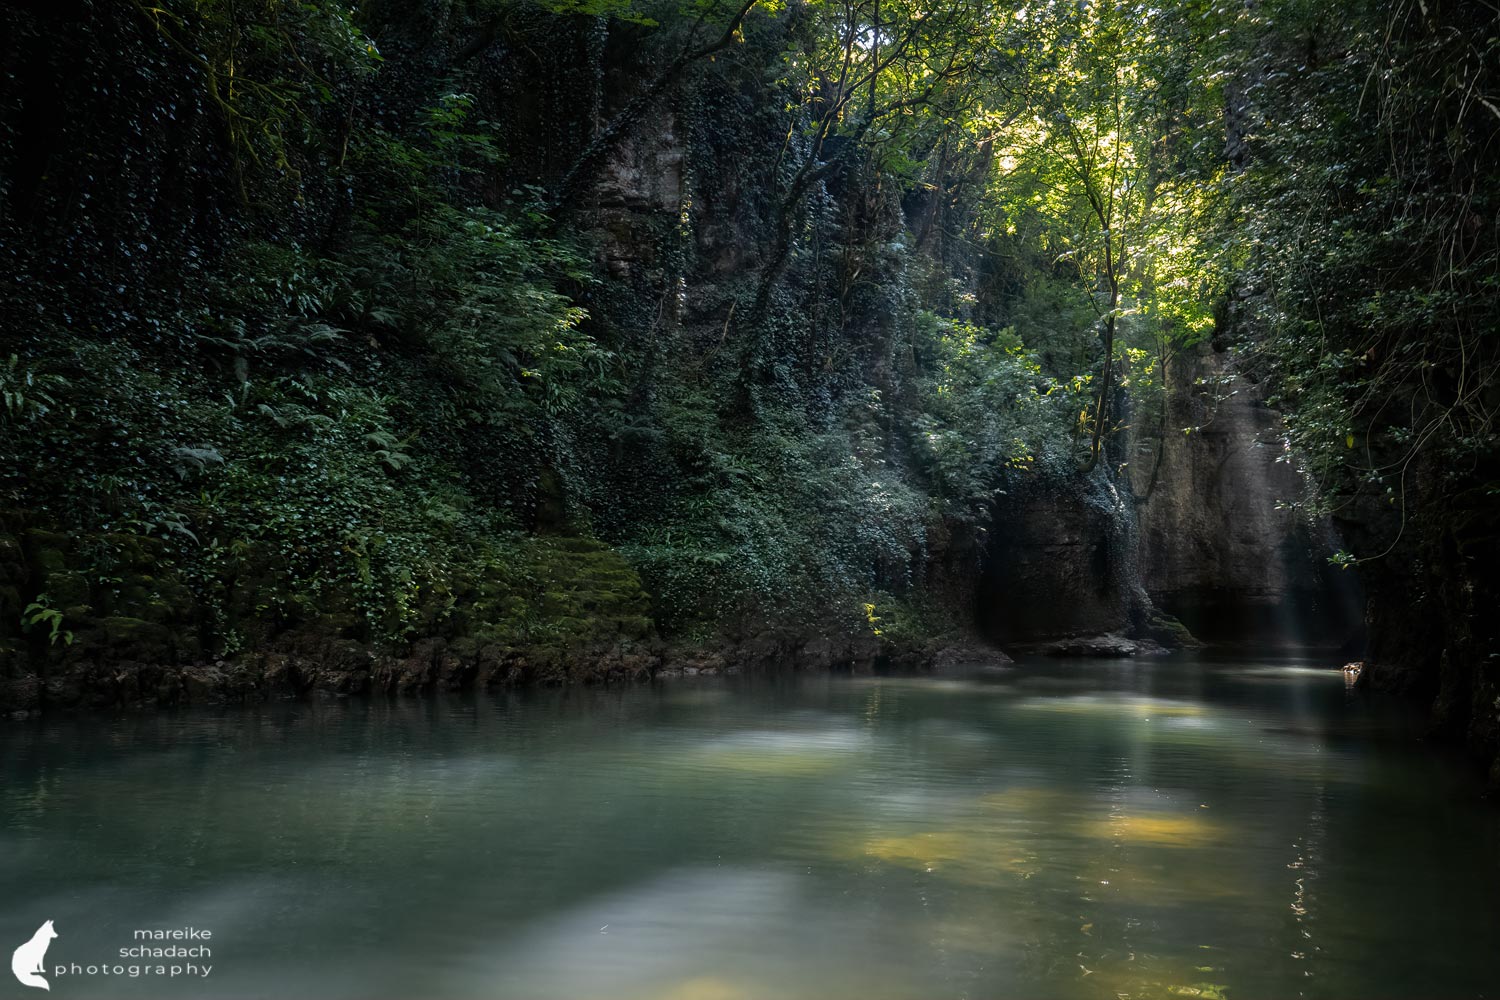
x=1237, y=829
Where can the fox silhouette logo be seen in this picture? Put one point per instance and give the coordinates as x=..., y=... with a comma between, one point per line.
x=26, y=961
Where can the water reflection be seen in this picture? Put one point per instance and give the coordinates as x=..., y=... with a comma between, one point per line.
x=1215, y=829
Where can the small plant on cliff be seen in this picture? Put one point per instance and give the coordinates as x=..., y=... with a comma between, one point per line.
x=41, y=612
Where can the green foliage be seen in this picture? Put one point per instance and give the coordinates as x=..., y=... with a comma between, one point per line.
x=379, y=376
x=27, y=395
x=779, y=522
x=904, y=618
x=40, y=612
x=1106, y=181
x=297, y=432
x=986, y=407
x=1360, y=224
x=270, y=71
x=311, y=332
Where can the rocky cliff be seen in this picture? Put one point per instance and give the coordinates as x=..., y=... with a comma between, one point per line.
x=1198, y=520
x=554, y=349
x=1224, y=542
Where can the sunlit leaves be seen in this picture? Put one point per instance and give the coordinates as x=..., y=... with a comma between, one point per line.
x=1102, y=176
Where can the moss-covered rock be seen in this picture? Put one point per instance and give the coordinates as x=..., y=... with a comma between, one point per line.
x=562, y=591
x=556, y=609
x=48, y=551
x=66, y=587
x=121, y=631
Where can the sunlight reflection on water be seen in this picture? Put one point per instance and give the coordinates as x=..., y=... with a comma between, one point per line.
x=1218, y=829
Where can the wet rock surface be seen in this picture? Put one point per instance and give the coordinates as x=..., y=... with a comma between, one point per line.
x=1096, y=647
x=341, y=669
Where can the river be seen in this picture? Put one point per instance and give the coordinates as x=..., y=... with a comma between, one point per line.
x=1234, y=827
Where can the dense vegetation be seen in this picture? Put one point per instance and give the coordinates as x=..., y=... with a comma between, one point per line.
x=376, y=314
x=1368, y=290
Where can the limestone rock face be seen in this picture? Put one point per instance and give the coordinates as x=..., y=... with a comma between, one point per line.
x=1106, y=646
x=1191, y=519
x=1060, y=562
x=1221, y=544
x=641, y=184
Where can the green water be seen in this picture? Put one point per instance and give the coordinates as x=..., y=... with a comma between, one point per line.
x=1233, y=828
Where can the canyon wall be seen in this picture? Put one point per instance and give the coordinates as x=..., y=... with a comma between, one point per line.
x=1197, y=519
x=1224, y=542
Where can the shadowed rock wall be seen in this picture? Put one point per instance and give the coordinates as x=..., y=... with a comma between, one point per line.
x=1222, y=544
x=1198, y=525
x=1060, y=562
